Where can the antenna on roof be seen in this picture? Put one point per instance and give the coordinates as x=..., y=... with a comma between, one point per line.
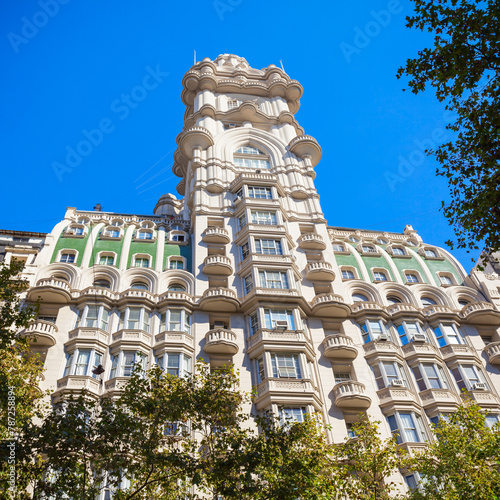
x=195, y=57
x=281, y=62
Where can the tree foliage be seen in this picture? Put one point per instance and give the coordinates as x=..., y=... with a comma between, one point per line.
x=14, y=315
x=463, y=67
x=463, y=463
x=367, y=462
x=156, y=441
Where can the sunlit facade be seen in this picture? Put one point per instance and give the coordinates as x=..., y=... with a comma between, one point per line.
x=241, y=267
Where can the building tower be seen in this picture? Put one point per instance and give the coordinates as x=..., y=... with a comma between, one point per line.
x=244, y=270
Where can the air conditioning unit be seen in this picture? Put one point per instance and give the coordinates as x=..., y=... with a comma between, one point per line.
x=419, y=337
x=397, y=383
x=281, y=325
x=479, y=386
x=383, y=337
x=218, y=324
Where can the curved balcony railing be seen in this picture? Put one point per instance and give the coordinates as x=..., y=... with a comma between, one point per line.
x=218, y=265
x=321, y=271
x=312, y=241
x=50, y=290
x=339, y=347
x=220, y=341
x=214, y=234
x=219, y=299
x=351, y=394
x=493, y=352
x=43, y=331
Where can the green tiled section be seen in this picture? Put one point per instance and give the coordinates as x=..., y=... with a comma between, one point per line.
x=347, y=260
x=377, y=262
x=180, y=250
x=409, y=264
x=107, y=246
x=436, y=266
x=144, y=248
x=70, y=243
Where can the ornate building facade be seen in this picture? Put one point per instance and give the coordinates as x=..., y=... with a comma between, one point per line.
x=244, y=269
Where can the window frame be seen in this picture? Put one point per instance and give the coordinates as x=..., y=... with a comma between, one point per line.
x=143, y=321
x=95, y=358
x=165, y=320
x=367, y=332
x=184, y=366
x=443, y=340
x=118, y=366
x=422, y=378
x=396, y=425
x=383, y=378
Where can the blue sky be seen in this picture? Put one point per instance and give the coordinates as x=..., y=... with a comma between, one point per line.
x=70, y=65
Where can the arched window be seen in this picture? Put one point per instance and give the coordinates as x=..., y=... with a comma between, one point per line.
x=428, y=301
x=392, y=299
x=176, y=287
x=251, y=157
x=463, y=302
x=359, y=297
x=139, y=285
x=102, y=283
x=145, y=235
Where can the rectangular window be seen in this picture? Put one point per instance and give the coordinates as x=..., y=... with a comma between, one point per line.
x=242, y=221
x=272, y=316
x=263, y=217
x=82, y=362
x=337, y=247
x=92, y=315
x=273, y=279
x=468, y=376
x=254, y=322
x=68, y=258
x=69, y=360
x=268, y=247
x=248, y=283
x=342, y=377
x=175, y=320
x=245, y=251
x=407, y=426
x=97, y=362
x=291, y=415
x=134, y=318
x=447, y=334
x=106, y=260
x=262, y=193
x=260, y=370
x=176, y=364
x=286, y=366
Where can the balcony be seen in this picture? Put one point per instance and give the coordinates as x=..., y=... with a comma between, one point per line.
x=174, y=339
x=485, y=399
x=218, y=265
x=330, y=305
x=439, y=312
x=351, y=395
x=424, y=351
x=286, y=391
x=481, y=313
x=312, y=242
x=219, y=300
x=220, y=341
x=453, y=352
x=368, y=308
x=291, y=340
x=442, y=400
x=131, y=338
x=320, y=271
x=175, y=298
x=306, y=146
x=50, y=290
x=392, y=396
x=43, y=331
x=339, y=347
x=403, y=310
x=94, y=292
x=214, y=234
x=88, y=335
x=74, y=383
x=379, y=348
x=493, y=352
x=115, y=385
x=135, y=295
